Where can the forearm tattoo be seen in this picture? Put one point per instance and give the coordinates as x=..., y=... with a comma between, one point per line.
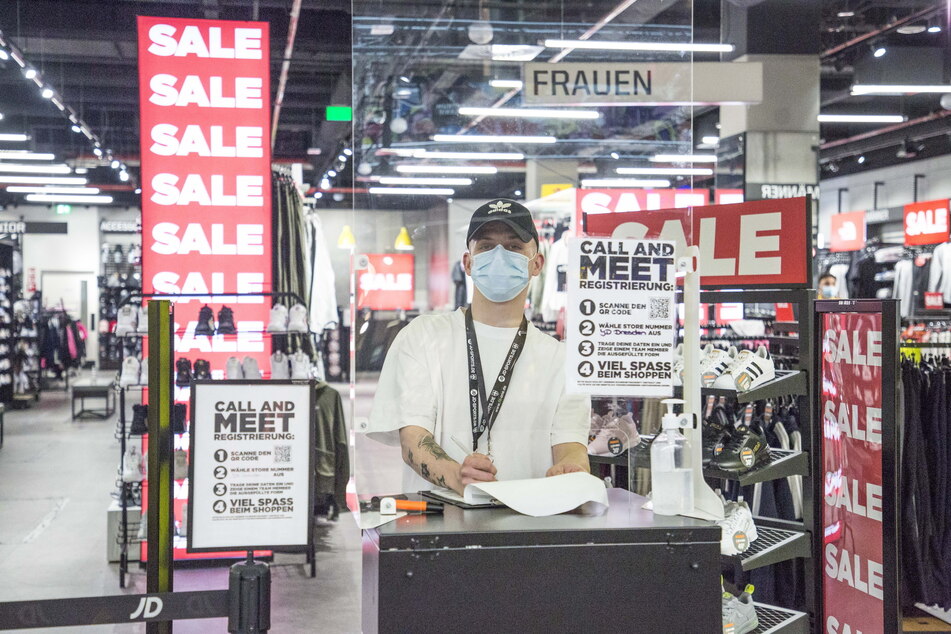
x=429, y=443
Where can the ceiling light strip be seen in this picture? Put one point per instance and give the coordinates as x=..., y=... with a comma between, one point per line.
x=684, y=158
x=899, y=89
x=658, y=47
x=25, y=155
x=529, y=113
x=17, y=168
x=14, y=137
x=490, y=138
x=60, y=198
x=861, y=118
x=35, y=189
x=446, y=169
x=625, y=182
x=43, y=180
x=469, y=156
x=411, y=180
x=665, y=171
x=412, y=191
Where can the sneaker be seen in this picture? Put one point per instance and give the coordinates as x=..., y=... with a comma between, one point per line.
x=143, y=327
x=179, y=416
x=202, y=369
x=126, y=320
x=206, y=322
x=183, y=376
x=300, y=366
x=596, y=424
x=180, y=464
x=143, y=532
x=714, y=363
x=233, y=368
x=745, y=451
x=737, y=528
x=678, y=371
x=130, y=372
x=140, y=420
x=615, y=436
x=226, y=322
x=715, y=434
x=132, y=468
x=278, y=320
x=144, y=372
x=250, y=369
x=183, y=527
x=297, y=319
x=739, y=613
x=280, y=366
x=749, y=370
x=641, y=454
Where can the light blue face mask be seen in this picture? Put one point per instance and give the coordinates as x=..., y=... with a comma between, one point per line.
x=500, y=274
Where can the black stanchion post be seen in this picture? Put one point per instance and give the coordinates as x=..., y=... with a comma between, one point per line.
x=249, y=601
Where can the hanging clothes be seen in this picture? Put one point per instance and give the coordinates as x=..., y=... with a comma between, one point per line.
x=459, y=285
x=332, y=446
x=554, y=296
x=323, y=293
x=939, y=275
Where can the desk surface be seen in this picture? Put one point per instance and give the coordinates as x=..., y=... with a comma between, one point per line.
x=625, y=522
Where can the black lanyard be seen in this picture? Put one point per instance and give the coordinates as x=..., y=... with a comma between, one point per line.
x=492, y=404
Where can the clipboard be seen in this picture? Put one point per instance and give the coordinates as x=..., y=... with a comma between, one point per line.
x=451, y=497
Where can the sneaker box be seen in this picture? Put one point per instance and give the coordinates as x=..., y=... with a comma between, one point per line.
x=114, y=531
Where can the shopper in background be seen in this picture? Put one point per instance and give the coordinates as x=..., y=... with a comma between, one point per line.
x=827, y=286
x=479, y=394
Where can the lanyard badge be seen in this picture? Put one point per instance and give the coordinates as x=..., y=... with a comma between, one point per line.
x=491, y=403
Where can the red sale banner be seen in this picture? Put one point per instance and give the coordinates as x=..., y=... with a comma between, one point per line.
x=387, y=282
x=204, y=90
x=927, y=222
x=851, y=406
x=204, y=95
x=610, y=201
x=757, y=243
x=847, y=231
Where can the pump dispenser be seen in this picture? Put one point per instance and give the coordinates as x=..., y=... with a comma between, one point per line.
x=671, y=475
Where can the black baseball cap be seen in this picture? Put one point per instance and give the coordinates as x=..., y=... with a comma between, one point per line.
x=511, y=212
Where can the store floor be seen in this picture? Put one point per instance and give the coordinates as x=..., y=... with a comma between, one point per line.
x=55, y=481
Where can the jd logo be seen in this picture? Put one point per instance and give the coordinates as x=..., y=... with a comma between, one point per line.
x=149, y=607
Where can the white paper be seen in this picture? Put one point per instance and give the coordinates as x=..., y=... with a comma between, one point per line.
x=540, y=497
x=372, y=519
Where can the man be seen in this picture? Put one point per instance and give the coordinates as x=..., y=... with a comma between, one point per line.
x=827, y=286
x=478, y=394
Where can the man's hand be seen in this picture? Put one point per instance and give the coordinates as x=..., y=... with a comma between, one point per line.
x=565, y=467
x=476, y=468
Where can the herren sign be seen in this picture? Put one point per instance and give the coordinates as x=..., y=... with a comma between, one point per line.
x=652, y=83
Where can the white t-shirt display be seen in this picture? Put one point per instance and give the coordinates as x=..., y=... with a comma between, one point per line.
x=425, y=382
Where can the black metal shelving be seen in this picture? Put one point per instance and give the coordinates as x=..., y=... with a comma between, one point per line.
x=774, y=544
x=775, y=620
x=782, y=463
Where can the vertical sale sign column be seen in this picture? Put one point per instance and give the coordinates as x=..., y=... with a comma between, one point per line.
x=204, y=90
x=859, y=523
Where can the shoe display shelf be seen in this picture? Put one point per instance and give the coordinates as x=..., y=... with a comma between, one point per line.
x=786, y=383
x=7, y=331
x=130, y=493
x=776, y=620
x=26, y=379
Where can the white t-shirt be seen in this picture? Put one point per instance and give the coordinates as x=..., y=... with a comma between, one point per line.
x=425, y=382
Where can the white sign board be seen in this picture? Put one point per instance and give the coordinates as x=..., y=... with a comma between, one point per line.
x=642, y=83
x=621, y=317
x=250, y=477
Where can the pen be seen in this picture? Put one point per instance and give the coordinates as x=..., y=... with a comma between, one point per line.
x=465, y=449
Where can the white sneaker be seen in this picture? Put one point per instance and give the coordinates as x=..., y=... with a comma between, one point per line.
x=615, y=436
x=278, y=320
x=749, y=370
x=233, y=368
x=132, y=467
x=143, y=327
x=738, y=529
x=280, y=369
x=126, y=320
x=300, y=366
x=297, y=319
x=250, y=369
x=714, y=363
x=678, y=371
x=144, y=371
x=130, y=372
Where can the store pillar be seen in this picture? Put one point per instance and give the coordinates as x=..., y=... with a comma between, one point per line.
x=540, y=172
x=780, y=135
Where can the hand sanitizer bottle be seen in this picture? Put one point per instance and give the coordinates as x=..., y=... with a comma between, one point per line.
x=671, y=477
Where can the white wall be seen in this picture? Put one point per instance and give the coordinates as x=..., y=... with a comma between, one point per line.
x=64, y=260
x=898, y=189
